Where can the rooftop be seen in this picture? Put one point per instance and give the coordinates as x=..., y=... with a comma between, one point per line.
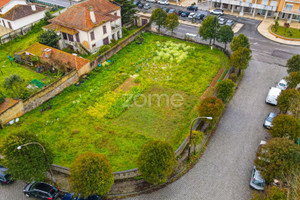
x=21, y=11
x=4, y=2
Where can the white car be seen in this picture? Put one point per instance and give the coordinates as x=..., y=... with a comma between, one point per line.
x=217, y=12
x=152, y=1
x=163, y=2
x=273, y=94
x=191, y=15
x=282, y=84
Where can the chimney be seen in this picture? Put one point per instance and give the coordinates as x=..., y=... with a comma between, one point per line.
x=33, y=7
x=47, y=52
x=92, y=15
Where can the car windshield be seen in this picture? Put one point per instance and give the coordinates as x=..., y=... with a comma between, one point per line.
x=7, y=177
x=258, y=183
x=269, y=119
x=281, y=84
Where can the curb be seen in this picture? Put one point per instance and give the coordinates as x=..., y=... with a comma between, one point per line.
x=281, y=37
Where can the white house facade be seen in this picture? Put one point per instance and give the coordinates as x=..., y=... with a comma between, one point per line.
x=6, y=5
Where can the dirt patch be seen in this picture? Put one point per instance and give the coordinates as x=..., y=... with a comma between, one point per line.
x=127, y=85
x=8, y=103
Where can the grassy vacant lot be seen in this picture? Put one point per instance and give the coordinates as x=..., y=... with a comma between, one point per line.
x=118, y=108
x=282, y=31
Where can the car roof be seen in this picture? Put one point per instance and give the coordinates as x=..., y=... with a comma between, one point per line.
x=258, y=176
x=3, y=170
x=262, y=142
x=43, y=186
x=272, y=114
x=283, y=81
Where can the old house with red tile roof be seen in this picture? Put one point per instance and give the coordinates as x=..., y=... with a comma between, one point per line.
x=90, y=24
x=15, y=14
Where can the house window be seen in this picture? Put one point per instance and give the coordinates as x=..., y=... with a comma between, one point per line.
x=104, y=30
x=65, y=36
x=94, y=45
x=77, y=37
x=92, y=35
x=289, y=7
x=116, y=14
x=3, y=23
x=105, y=41
x=71, y=39
x=9, y=24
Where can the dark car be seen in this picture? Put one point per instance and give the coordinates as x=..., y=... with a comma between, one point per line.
x=41, y=190
x=192, y=8
x=136, y=3
x=5, y=178
x=178, y=12
x=185, y=14
x=171, y=11
x=70, y=196
x=166, y=9
x=140, y=5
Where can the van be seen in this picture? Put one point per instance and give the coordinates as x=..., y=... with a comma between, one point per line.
x=273, y=95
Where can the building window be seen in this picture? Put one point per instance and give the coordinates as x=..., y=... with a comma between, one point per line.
x=3, y=23
x=265, y=2
x=105, y=41
x=9, y=24
x=116, y=14
x=289, y=7
x=104, y=30
x=94, y=45
x=71, y=39
x=92, y=35
x=77, y=37
x=65, y=36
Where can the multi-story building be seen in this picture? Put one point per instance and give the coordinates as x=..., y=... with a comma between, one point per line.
x=90, y=24
x=284, y=9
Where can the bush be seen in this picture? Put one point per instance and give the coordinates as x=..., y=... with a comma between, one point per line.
x=91, y=173
x=293, y=79
x=293, y=64
x=2, y=99
x=124, y=31
x=233, y=77
x=156, y=161
x=211, y=107
x=289, y=100
x=272, y=193
x=225, y=90
x=103, y=49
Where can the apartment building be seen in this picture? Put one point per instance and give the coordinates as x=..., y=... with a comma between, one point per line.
x=284, y=9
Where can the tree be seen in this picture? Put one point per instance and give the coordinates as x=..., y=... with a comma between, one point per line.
x=276, y=26
x=49, y=38
x=277, y=159
x=285, y=126
x=156, y=161
x=29, y=163
x=240, y=41
x=225, y=35
x=127, y=10
x=91, y=173
x=208, y=29
x=225, y=90
x=197, y=137
x=240, y=59
x=159, y=17
x=211, y=107
x=48, y=16
x=289, y=100
x=15, y=85
x=293, y=79
x=272, y=193
x=293, y=64
x=293, y=184
x=171, y=22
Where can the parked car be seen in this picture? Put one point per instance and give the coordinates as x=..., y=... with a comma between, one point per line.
x=192, y=8
x=272, y=96
x=191, y=15
x=70, y=196
x=230, y=22
x=217, y=12
x=178, y=12
x=166, y=9
x=41, y=190
x=147, y=6
x=257, y=182
x=197, y=16
x=152, y=1
x=171, y=11
x=282, y=84
x=136, y=2
x=5, y=178
x=269, y=119
x=222, y=21
x=163, y=2
x=140, y=5
x=202, y=16
x=185, y=14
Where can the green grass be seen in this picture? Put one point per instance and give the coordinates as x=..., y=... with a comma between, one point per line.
x=282, y=31
x=14, y=46
x=94, y=118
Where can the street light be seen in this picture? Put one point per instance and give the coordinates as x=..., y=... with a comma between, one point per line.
x=190, y=142
x=31, y=143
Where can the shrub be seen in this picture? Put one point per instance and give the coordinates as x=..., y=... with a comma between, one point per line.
x=2, y=99
x=49, y=38
x=103, y=48
x=156, y=161
x=125, y=31
x=293, y=64
x=233, y=77
x=197, y=137
x=293, y=79
x=289, y=100
x=272, y=193
x=211, y=107
x=225, y=90
x=91, y=173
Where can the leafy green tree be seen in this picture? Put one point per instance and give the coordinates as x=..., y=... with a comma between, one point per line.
x=49, y=38
x=289, y=100
x=225, y=35
x=211, y=107
x=159, y=17
x=15, y=86
x=277, y=159
x=29, y=163
x=293, y=79
x=276, y=25
x=240, y=59
x=156, y=161
x=293, y=64
x=240, y=41
x=225, y=90
x=209, y=28
x=48, y=16
x=272, y=193
x=196, y=139
x=171, y=22
x=285, y=126
x=127, y=10
x=91, y=173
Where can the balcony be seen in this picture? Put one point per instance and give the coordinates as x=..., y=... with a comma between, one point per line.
x=247, y=4
x=115, y=28
x=291, y=11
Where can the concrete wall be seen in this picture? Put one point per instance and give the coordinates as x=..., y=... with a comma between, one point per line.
x=17, y=24
x=12, y=113
x=12, y=4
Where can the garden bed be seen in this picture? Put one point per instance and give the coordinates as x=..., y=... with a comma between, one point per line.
x=95, y=116
x=287, y=32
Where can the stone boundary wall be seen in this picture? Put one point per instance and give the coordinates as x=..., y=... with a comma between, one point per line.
x=279, y=36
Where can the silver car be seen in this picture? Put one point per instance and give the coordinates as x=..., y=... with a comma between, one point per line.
x=257, y=182
x=229, y=22
x=147, y=6
x=269, y=119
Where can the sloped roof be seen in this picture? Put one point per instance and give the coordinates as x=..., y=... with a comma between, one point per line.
x=78, y=16
x=57, y=55
x=4, y=2
x=57, y=27
x=20, y=11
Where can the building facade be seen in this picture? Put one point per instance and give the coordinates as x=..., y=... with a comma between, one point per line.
x=284, y=9
x=90, y=24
